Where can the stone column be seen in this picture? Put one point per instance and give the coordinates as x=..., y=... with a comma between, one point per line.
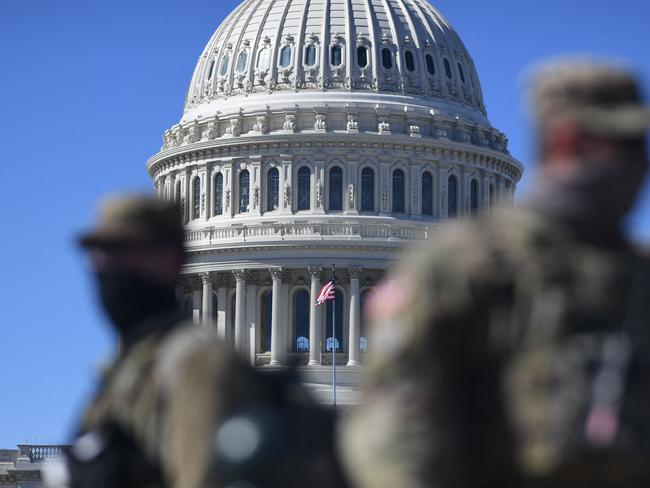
x=222, y=297
x=314, y=317
x=206, y=319
x=276, y=344
x=355, y=317
x=240, y=310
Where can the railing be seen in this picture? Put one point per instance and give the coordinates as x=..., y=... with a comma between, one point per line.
x=296, y=231
x=37, y=453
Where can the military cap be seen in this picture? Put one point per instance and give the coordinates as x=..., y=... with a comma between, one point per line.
x=135, y=219
x=604, y=98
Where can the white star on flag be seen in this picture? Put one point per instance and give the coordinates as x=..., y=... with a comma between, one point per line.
x=328, y=292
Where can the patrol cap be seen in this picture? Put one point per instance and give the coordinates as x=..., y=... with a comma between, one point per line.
x=135, y=219
x=603, y=97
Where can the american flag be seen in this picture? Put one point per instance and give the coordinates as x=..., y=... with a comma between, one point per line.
x=328, y=292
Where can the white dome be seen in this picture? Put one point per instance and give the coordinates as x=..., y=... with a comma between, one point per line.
x=308, y=48
x=319, y=132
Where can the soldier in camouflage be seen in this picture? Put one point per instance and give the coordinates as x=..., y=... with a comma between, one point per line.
x=177, y=408
x=514, y=350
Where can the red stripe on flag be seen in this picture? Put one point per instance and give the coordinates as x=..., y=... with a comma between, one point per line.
x=328, y=292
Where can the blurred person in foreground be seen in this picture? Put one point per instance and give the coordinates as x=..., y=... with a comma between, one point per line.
x=177, y=407
x=514, y=350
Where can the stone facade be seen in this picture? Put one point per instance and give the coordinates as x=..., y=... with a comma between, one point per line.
x=317, y=133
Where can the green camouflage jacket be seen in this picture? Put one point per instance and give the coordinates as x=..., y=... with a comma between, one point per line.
x=485, y=354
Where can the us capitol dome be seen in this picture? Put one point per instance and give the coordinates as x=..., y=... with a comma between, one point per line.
x=318, y=132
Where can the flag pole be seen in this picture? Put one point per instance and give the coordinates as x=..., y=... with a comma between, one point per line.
x=334, y=338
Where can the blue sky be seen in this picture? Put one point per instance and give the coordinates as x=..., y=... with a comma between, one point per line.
x=87, y=89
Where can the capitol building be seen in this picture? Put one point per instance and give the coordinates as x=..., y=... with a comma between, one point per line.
x=320, y=132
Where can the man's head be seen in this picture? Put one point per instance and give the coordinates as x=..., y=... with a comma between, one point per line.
x=136, y=252
x=592, y=126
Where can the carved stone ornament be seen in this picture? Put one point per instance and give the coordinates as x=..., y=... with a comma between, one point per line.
x=202, y=203
x=256, y=197
x=262, y=124
x=205, y=278
x=321, y=122
x=319, y=193
x=227, y=203
x=289, y=123
x=353, y=123
x=414, y=131
x=235, y=127
x=193, y=134
x=383, y=126
x=351, y=194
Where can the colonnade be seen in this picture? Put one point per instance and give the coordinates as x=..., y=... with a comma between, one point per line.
x=232, y=301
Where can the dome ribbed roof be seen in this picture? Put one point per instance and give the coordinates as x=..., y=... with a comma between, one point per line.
x=401, y=47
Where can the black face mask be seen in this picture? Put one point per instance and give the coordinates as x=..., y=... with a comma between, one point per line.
x=129, y=298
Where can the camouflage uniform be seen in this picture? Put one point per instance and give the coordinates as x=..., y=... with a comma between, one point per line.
x=177, y=407
x=512, y=304
x=513, y=350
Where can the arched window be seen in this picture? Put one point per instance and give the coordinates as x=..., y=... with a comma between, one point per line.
x=215, y=309
x=196, y=198
x=362, y=56
x=337, y=56
x=267, y=311
x=310, y=55
x=285, y=56
x=427, y=193
x=473, y=197
x=409, y=60
x=272, y=190
x=336, y=189
x=304, y=194
x=301, y=321
x=398, y=191
x=461, y=73
x=431, y=66
x=368, y=190
x=447, y=68
x=338, y=325
x=189, y=307
x=263, y=59
x=211, y=70
x=242, y=61
x=244, y=191
x=218, y=194
x=387, y=58
x=224, y=65
x=452, y=196
x=363, y=336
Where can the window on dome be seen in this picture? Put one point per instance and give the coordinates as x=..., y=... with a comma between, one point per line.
x=398, y=191
x=242, y=61
x=310, y=55
x=272, y=190
x=285, y=56
x=431, y=66
x=362, y=56
x=461, y=73
x=211, y=70
x=244, y=191
x=263, y=59
x=427, y=194
x=368, y=190
x=304, y=194
x=337, y=340
x=473, y=198
x=218, y=194
x=301, y=321
x=336, y=56
x=336, y=189
x=224, y=65
x=387, y=58
x=196, y=198
x=267, y=312
x=452, y=196
x=409, y=60
x=447, y=68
